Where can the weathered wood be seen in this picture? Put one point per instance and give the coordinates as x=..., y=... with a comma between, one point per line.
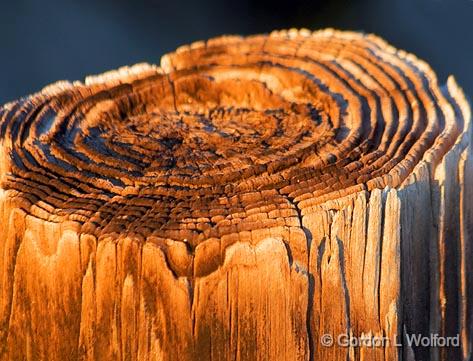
x=239, y=202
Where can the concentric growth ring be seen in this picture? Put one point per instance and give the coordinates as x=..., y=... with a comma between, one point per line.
x=228, y=136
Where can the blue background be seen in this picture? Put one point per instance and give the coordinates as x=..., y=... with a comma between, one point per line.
x=45, y=41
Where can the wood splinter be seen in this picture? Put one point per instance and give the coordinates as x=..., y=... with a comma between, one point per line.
x=242, y=201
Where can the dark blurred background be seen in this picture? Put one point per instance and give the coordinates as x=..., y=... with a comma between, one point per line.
x=49, y=40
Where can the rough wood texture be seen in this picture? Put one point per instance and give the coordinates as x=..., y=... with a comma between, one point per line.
x=238, y=202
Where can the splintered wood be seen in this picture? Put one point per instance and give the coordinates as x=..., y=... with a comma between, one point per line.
x=279, y=197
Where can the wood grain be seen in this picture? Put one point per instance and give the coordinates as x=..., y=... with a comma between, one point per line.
x=238, y=202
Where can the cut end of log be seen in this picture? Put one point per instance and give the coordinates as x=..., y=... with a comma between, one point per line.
x=228, y=142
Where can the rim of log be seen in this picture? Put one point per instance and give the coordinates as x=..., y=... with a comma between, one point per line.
x=228, y=138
